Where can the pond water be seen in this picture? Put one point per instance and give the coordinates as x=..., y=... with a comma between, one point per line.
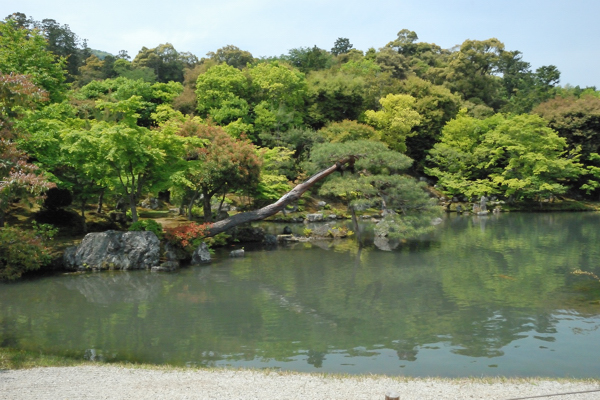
x=481, y=296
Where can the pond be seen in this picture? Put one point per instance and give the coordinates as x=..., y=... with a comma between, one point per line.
x=481, y=296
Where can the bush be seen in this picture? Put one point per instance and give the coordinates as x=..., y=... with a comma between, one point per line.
x=148, y=225
x=20, y=251
x=57, y=198
x=187, y=236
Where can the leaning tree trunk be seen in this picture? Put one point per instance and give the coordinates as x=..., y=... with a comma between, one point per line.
x=272, y=209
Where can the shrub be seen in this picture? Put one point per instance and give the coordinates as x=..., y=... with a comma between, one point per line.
x=187, y=236
x=148, y=225
x=20, y=251
x=57, y=198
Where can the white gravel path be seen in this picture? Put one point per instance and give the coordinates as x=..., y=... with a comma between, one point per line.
x=107, y=382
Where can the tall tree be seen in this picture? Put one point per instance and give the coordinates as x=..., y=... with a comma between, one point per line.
x=341, y=46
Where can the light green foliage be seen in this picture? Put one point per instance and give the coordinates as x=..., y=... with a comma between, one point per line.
x=593, y=174
x=345, y=131
x=273, y=183
x=279, y=93
x=222, y=93
x=23, y=51
x=135, y=157
x=516, y=156
x=124, y=69
x=395, y=120
x=148, y=225
x=150, y=96
x=45, y=231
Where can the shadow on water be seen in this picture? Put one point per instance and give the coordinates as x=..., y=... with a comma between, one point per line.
x=482, y=296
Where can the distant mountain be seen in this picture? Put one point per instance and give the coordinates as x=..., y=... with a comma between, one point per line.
x=100, y=54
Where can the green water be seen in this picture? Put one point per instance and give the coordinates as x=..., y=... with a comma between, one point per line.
x=481, y=296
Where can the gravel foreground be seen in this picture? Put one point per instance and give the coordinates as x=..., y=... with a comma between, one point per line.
x=133, y=383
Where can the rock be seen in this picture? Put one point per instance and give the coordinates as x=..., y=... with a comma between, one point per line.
x=114, y=250
x=173, y=210
x=322, y=230
x=321, y=204
x=287, y=230
x=437, y=221
x=314, y=217
x=151, y=203
x=332, y=216
x=201, y=255
x=237, y=253
x=247, y=234
x=270, y=240
x=118, y=217
x=166, y=266
x=284, y=238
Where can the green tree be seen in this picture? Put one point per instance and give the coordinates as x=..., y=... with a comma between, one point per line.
x=308, y=59
x=436, y=105
x=166, y=62
x=515, y=156
x=341, y=46
x=395, y=120
x=232, y=56
x=24, y=52
x=222, y=94
x=472, y=71
x=374, y=179
x=345, y=131
x=221, y=166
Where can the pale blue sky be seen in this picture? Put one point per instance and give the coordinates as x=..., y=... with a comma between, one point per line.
x=565, y=33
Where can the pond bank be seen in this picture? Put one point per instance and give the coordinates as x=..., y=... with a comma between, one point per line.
x=109, y=382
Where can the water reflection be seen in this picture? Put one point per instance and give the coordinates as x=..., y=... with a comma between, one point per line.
x=480, y=288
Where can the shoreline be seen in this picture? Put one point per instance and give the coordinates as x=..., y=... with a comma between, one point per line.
x=147, y=381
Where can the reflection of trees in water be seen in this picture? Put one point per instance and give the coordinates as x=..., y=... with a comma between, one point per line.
x=121, y=287
x=476, y=290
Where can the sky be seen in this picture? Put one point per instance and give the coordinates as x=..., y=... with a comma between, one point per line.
x=564, y=33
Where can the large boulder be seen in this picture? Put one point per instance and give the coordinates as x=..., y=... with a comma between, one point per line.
x=114, y=250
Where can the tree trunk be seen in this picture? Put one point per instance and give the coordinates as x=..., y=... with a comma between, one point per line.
x=207, y=210
x=100, y=202
x=272, y=209
x=192, y=201
x=221, y=205
x=83, y=222
x=134, y=216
